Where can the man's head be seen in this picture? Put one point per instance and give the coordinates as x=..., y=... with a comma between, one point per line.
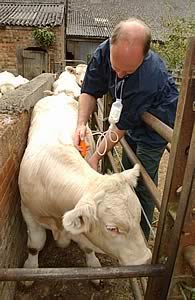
x=130, y=41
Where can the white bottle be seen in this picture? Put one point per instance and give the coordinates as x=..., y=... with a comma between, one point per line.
x=115, y=112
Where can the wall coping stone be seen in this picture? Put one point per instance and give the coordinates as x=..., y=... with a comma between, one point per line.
x=25, y=97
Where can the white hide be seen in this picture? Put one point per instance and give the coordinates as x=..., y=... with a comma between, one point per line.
x=9, y=82
x=6, y=82
x=61, y=192
x=6, y=76
x=19, y=80
x=80, y=73
x=6, y=87
x=66, y=83
x=69, y=81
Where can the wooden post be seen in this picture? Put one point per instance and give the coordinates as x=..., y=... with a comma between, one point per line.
x=180, y=173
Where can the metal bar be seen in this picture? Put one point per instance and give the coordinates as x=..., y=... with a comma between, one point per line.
x=75, y=61
x=17, y=274
x=112, y=162
x=136, y=289
x=153, y=190
x=168, y=147
x=161, y=128
x=109, y=154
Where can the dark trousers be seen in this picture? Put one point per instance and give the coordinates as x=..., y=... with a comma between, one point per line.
x=150, y=158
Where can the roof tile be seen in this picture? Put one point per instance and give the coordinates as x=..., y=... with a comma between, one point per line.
x=31, y=14
x=96, y=18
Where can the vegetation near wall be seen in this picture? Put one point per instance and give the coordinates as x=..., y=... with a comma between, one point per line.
x=43, y=36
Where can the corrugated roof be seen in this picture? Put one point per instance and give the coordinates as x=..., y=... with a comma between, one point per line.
x=96, y=18
x=31, y=14
x=81, y=23
x=34, y=1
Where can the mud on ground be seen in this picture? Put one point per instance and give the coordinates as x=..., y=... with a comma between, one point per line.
x=51, y=257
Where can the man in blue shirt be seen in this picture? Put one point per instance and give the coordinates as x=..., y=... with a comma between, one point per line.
x=126, y=67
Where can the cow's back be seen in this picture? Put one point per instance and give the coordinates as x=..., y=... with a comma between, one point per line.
x=51, y=172
x=54, y=118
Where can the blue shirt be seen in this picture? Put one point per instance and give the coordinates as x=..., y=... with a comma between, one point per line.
x=150, y=88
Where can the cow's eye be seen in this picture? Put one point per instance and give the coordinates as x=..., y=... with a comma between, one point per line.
x=112, y=228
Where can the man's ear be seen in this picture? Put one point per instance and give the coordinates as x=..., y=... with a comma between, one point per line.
x=79, y=219
x=131, y=176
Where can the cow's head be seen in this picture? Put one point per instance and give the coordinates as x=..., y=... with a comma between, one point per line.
x=80, y=73
x=110, y=218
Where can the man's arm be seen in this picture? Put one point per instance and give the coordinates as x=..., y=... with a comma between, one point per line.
x=116, y=134
x=87, y=104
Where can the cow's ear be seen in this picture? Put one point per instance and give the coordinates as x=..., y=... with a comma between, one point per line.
x=131, y=175
x=70, y=69
x=79, y=219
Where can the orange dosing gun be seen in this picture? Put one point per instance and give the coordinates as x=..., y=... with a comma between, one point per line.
x=83, y=148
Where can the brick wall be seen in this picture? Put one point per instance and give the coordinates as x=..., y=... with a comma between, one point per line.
x=57, y=50
x=12, y=231
x=13, y=135
x=14, y=39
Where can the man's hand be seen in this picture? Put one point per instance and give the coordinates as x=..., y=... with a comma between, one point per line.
x=79, y=135
x=87, y=104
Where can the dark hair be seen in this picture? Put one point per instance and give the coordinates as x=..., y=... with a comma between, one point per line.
x=120, y=33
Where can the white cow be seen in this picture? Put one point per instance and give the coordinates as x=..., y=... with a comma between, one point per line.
x=6, y=82
x=19, y=80
x=9, y=82
x=61, y=192
x=69, y=81
x=80, y=71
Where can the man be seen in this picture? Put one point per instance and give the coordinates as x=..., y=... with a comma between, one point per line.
x=126, y=67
